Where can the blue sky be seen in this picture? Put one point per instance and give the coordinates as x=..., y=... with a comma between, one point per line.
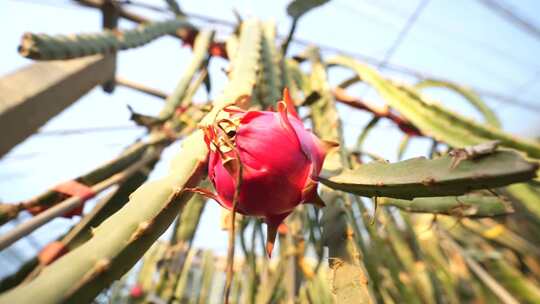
x=459, y=40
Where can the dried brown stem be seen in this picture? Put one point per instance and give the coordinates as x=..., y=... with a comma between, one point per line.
x=385, y=112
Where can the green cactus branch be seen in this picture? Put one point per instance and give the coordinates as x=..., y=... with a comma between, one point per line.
x=189, y=220
x=46, y=47
x=420, y=286
x=350, y=280
x=315, y=291
x=107, y=206
x=431, y=118
x=381, y=261
x=293, y=78
x=503, y=294
x=490, y=229
x=182, y=282
x=487, y=232
x=422, y=264
x=528, y=196
x=420, y=177
x=242, y=76
x=270, y=86
x=250, y=258
x=299, y=79
x=503, y=270
x=466, y=93
x=445, y=279
x=208, y=269
x=524, y=289
x=145, y=275
x=470, y=205
x=174, y=258
x=449, y=127
x=231, y=46
x=298, y=270
x=198, y=61
x=365, y=131
x=476, y=130
x=272, y=290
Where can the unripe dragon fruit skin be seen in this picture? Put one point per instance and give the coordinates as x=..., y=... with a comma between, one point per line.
x=280, y=160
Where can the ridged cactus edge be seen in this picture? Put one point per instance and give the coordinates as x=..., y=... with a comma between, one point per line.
x=47, y=47
x=421, y=177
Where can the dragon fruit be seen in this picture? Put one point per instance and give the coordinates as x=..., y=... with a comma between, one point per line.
x=279, y=160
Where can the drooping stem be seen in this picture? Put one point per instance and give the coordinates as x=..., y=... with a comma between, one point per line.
x=290, y=36
x=232, y=230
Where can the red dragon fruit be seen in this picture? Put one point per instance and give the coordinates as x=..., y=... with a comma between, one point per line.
x=280, y=163
x=136, y=291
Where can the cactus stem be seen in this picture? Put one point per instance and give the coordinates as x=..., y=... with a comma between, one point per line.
x=141, y=229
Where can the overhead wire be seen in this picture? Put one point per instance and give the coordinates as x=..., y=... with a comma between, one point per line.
x=463, y=60
x=401, y=36
x=508, y=14
x=511, y=16
x=63, y=132
x=527, y=85
x=456, y=34
x=35, y=154
x=403, y=33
